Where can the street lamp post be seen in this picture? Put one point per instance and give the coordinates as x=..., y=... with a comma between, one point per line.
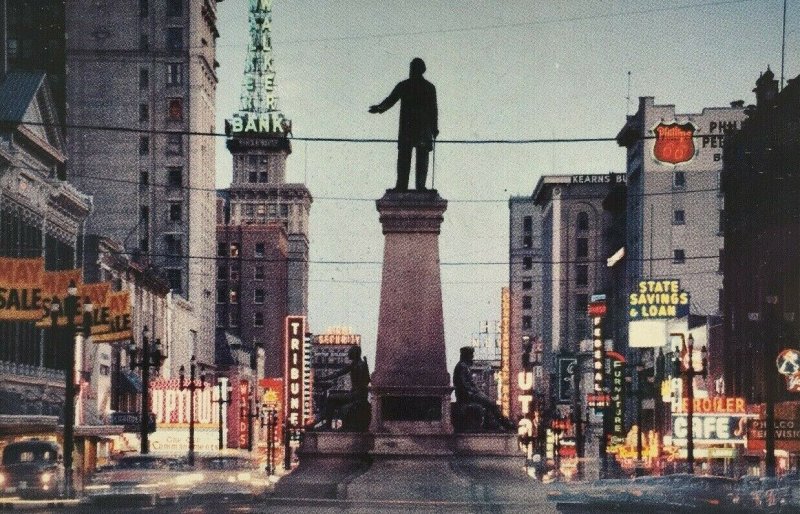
x=271, y=420
x=70, y=311
x=687, y=372
x=192, y=386
x=224, y=397
x=149, y=358
x=249, y=412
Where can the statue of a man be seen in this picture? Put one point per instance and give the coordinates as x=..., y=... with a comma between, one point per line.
x=356, y=408
x=419, y=123
x=468, y=393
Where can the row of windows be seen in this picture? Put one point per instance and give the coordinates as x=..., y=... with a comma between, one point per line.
x=582, y=221
x=174, y=110
x=225, y=272
x=174, y=213
x=679, y=218
x=174, y=145
x=232, y=295
x=679, y=179
x=259, y=209
x=234, y=249
x=173, y=73
x=233, y=319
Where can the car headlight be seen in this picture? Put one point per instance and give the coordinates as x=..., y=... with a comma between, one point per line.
x=46, y=477
x=243, y=477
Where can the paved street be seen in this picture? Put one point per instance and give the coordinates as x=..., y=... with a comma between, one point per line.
x=537, y=503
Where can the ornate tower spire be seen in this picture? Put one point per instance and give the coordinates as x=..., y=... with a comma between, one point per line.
x=258, y=109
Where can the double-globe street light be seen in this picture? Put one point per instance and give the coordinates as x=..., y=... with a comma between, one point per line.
x=70, y=311
x=269, y=419
x=223, y=397
x=192, y=386
x=687, y=372
x=149, y=358
x=250, y=413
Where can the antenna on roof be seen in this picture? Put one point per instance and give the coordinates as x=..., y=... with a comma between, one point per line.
x=783, y=42
x=628, y=97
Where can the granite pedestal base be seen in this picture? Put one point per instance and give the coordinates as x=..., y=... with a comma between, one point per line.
x=395, y=467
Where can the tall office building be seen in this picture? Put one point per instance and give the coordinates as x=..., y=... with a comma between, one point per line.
x=525, y=289
x=573, y=249
x=259, y=143
x=151, y=67
x=675, y=204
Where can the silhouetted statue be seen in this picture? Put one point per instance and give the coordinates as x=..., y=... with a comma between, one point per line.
x=474, y=410
x=355, y=409
x=419, y=123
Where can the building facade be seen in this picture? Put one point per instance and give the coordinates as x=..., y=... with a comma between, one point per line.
x=251, y=292
x=675, y=204
x=40, y=217
x=573, y=224
x=762, y=254
x=149, y=66
x=525, y=301
x=259, y=144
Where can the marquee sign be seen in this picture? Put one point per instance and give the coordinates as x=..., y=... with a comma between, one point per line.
x=504, y=383
x=658, y=299
x=295, y=332
x=713, y=405
x=244, y=413
x=597, y=310
x=674, y=142
x=528, y=424
x=710, y=428
x=617, y=396
x=715, y=420
x=338, y=339
x=171, y=405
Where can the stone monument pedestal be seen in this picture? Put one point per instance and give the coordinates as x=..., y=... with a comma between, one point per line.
x=411, y=454
x=411, y=386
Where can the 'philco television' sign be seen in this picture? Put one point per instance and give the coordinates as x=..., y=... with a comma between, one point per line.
x=295, y=332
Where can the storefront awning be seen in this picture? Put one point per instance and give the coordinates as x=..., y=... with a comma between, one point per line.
x=98, y=430
x=11, y=424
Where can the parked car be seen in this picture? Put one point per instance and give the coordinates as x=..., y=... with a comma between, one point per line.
x=32, y=469
x=149, y=479
x=703, y=492
x=229, y=475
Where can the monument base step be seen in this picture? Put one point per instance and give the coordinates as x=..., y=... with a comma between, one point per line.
x=364, y=467
x=385, y=443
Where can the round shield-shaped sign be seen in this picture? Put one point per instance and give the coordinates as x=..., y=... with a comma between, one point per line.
x=788, y=362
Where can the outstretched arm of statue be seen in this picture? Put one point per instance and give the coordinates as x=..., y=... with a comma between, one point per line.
x=388, y=102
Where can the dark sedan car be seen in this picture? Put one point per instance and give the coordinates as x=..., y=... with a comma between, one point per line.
x=32, y=469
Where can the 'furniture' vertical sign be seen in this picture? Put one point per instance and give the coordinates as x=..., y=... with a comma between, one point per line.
x=295, y=330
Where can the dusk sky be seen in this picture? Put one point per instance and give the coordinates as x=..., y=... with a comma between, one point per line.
x=516, y=69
